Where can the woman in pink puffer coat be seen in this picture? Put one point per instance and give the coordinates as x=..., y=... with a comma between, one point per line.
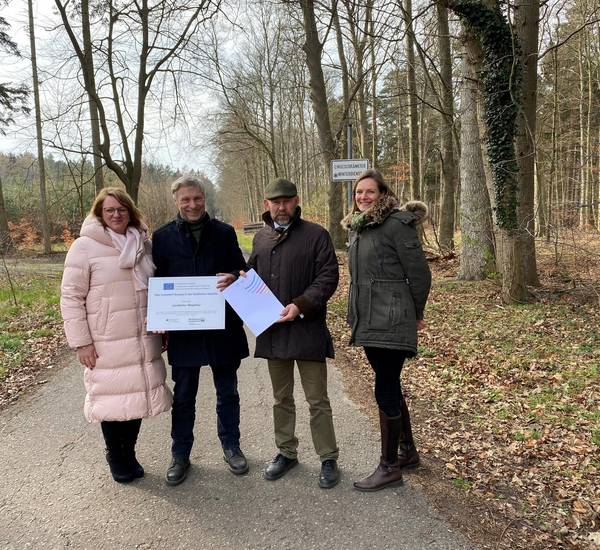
x=103, y=304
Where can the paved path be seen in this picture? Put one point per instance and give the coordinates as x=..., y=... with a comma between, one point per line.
x=56, y=491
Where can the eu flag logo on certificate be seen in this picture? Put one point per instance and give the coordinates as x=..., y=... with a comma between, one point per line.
x=168, y=286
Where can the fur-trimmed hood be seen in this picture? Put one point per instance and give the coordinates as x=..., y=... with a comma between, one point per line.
x=378, y=213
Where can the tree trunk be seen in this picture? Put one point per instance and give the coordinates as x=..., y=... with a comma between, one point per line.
x=513, y=287
x=374, y=132
x=5, y=242
x=527, y=23
x=446, y=237
x=318, y=93
x=343, y=67
x=582, y=158
x=413, y=118
x=94, y=122
x=477, y=253
x=38, y=127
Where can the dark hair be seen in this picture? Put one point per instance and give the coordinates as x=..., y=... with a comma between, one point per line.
x=135, y=216
x=373, y=174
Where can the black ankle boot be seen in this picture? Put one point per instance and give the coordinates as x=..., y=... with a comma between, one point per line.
x=115, y=437
x=131, y=461
x=130, y=432
x=120, y=470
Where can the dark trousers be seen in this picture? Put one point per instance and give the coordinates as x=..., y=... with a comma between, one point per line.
x=387, y=364
x=183, y=413
x=117, y=433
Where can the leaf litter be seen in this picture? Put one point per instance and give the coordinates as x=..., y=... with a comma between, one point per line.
x=506, y=400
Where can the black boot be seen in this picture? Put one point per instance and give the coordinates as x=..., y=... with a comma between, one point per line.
x=408, y=457
x=130, y=436
x=115, y=457
x=389, y=471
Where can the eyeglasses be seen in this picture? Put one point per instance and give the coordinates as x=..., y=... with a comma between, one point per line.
x=111, y=211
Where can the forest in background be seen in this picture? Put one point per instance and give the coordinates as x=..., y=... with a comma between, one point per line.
x=488, y=111
x=70, y=193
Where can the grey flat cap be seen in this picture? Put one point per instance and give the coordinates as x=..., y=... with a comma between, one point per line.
x=280, y=188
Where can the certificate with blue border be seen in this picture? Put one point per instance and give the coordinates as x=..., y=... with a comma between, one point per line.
x=185, y=303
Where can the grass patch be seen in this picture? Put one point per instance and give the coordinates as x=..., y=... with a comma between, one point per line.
x=245, y=241
x=26, y=326
x=338, y=307
x=462, y=483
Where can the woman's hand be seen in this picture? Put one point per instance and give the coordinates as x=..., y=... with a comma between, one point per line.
x=87, y=356
x=420, y=325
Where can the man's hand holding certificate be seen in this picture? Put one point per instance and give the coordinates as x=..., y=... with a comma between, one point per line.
x=254, y=302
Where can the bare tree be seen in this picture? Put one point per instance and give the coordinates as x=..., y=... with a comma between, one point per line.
x=449, y=175
x=477, y=254
x=88, y=55
x=313, y=48
x=413, y=116
x=159, y=31
x=527, y=14
x=38, y=128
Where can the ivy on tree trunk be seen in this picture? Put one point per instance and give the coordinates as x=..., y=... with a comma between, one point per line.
x=501, y=76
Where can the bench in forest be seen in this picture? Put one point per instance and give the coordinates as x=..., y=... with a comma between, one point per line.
x=252, y=227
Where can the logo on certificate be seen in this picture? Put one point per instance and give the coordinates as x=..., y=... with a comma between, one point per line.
x=168, y=286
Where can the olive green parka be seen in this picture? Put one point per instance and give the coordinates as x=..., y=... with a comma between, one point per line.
x=389, y=275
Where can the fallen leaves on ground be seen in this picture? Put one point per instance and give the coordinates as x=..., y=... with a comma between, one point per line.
x=31, y=333
x=508, y=397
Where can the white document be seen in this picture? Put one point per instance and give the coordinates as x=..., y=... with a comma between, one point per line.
x=185, y=303
x=254, y=302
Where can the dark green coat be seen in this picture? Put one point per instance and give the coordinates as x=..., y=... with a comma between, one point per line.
x=389, y=278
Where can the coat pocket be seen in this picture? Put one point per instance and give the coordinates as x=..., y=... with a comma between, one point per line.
x=390, y=305
x=351, y=311
x=402, y=310
x=380, y=308
x=102, y=316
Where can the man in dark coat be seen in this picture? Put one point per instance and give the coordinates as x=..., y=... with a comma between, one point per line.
x=193, y=244
x=296, y=259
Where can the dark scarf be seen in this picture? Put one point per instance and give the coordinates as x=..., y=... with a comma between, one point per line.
x=376, y=215
x=195, y=227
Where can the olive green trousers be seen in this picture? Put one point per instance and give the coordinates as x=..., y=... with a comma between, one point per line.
x=313, y=376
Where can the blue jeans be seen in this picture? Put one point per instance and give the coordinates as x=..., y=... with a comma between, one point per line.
x=183, y=413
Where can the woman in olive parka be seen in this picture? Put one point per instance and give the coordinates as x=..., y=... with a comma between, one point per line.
x=389, y=286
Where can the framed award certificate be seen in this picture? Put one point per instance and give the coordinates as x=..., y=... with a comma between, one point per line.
x=185, y=303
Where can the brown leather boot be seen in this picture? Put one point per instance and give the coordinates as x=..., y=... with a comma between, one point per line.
x=389, y=472
x=408, y=457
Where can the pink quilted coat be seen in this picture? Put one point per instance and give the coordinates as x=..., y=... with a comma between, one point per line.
x=100, y=305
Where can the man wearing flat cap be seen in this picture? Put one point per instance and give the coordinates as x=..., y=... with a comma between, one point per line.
x=296, y=259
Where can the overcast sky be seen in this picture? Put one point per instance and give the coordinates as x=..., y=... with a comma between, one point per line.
x=172, y=148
